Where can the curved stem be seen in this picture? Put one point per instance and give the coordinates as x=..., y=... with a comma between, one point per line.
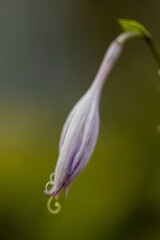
x=153, y=49
x=110, y=58
x=124, y=37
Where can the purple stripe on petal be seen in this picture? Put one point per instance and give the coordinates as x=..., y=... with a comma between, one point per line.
x=73, y=157
x=87, y=152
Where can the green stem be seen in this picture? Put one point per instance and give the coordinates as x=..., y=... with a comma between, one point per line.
x=124, y=37
x=153, y=49
x=132, y=26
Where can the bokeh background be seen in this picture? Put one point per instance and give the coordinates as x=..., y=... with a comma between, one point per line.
x=49, y=54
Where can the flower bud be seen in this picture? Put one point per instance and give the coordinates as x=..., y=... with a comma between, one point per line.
x=80, y=132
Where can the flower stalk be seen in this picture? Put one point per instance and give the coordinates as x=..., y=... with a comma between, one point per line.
x=154, y=50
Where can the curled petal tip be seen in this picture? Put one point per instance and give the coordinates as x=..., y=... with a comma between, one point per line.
x=56, y=205
x=48, y=191
x=51, y=177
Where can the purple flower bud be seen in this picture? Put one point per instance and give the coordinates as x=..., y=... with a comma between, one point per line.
x=80, y=132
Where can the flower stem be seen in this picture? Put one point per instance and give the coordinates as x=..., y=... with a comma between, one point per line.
x=153, y=49
x=130, y=26
x=124, y=37
x=112, y=55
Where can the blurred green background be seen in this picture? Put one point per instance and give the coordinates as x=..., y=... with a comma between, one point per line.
x=49, y=54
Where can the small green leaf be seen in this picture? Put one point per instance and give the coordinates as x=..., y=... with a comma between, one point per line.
x=128, y=25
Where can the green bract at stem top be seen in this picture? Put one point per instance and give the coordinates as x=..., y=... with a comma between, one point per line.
x=131, y=26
